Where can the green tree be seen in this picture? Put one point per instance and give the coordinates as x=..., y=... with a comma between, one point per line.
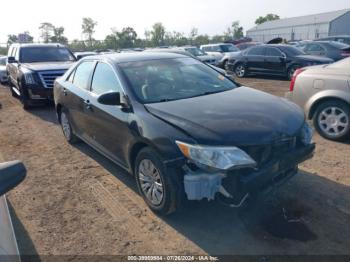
x=12, y=39
x=127, y=37
x=201, y=40
x=58, y=36
x=217, y=39
x=46, y=31
x=235, y=31
x=88, y=29
x=193, y=34
x=30, y=39
x=157, y=34
x=268, y=17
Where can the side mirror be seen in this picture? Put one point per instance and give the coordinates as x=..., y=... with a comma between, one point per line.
x=11, y=60
x=11, y=175
x=110, y=99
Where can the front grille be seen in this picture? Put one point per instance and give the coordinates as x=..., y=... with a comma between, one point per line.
x=265, y=153
x=48, y=77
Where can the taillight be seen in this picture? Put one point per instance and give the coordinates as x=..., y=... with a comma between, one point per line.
x=294, y=78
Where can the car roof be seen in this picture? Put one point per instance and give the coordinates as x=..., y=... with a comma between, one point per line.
x=38, y=45
x=136, y=56
x=217, y=44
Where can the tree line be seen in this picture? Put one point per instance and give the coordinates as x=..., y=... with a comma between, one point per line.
x=158, y=35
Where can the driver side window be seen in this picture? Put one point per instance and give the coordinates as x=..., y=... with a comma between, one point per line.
x=104, y=80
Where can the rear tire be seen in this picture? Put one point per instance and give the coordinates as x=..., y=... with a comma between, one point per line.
x=332, y=120
x=67, y=128
x=240, y=70
x=154, y=183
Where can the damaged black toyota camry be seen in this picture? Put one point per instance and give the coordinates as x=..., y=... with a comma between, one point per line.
x=183, y=129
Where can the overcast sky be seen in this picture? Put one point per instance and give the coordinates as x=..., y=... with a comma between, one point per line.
x=209, y=16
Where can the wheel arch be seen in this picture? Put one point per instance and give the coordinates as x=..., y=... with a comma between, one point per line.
x=58, y=112
x=319, y=101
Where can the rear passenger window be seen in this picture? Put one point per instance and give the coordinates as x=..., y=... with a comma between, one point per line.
x=257, y=51
x=104, y=80
x=273, y=52
x=82, y=74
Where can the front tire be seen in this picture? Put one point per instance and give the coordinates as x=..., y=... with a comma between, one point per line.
x=332, y=120
x=240, y=70
x=67, y=128
x=154, y=183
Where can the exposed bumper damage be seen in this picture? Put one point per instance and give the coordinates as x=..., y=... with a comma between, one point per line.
x=234, y=187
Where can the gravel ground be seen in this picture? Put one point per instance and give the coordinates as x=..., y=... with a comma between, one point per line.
x=76, y=202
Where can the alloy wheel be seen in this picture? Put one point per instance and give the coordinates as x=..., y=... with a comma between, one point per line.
x=333, y=121
x=240, y=71
x=150, y=182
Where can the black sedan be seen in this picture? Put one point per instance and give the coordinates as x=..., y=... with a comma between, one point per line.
x=333, y=50
x=183, y=129
x=273, y=59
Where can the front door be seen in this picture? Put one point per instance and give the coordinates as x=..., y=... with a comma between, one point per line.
x=108, y=124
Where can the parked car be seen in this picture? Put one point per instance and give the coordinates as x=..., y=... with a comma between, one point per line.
x=222, y=52
x=330, y=49
x=244, y=46
x=200, y=54
x=324, y=94
x=80, y=55
x=273, y=59
x=11, y=174
x=183, y=129
x=33, y=68
x=185, y=53
x=338, y=38
x=3, y=73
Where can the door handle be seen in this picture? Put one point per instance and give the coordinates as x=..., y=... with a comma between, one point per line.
x=87, y=104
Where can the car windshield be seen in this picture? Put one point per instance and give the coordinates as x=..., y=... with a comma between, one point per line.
x=291, y=51
x=195, y=51
x=173, y=79
x=229, y=48
x=45, y=54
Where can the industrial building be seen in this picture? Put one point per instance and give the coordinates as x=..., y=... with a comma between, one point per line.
x=303, y=27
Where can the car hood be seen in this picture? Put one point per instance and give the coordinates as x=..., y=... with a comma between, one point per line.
x=242, y=116
x=315, y=58
x=48, y=66
x=206, y=57
x=232, y=54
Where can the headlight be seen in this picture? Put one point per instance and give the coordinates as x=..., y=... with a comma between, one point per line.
x=28, y=76
x=306, y=134
x=222, y=158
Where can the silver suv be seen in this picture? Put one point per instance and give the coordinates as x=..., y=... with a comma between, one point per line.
x=222, y=52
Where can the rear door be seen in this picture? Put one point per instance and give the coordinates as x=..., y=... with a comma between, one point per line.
x=108, y=124
x=255, y=59
x=76, y=95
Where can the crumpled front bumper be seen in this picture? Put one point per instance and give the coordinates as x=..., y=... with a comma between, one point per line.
x=276, y=171
x=236, y=185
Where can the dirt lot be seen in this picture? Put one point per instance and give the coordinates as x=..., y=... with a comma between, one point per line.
x=74, y=201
